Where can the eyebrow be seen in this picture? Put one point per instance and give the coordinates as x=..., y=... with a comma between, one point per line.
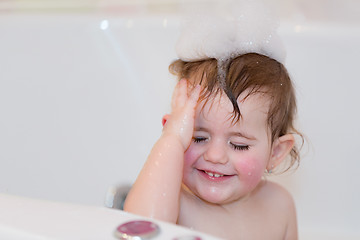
x=243, y=135
x=201, y=129
x=238, y=134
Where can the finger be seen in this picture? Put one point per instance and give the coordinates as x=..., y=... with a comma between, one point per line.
x=193, y=98
x=175, y=94
x=180, y=94
x=182, y=97
x=195, y=94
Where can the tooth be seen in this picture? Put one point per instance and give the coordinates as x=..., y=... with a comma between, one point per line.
x=214, y=174
x=209, y=173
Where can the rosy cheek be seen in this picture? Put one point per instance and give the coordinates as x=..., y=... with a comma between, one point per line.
x=191, y=155
x=190, y=158
x=250, y=171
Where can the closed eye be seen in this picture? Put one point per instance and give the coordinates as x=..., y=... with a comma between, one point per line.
x=240, y=147
x=199, y=139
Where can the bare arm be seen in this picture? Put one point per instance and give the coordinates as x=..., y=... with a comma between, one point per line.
x=156, y=191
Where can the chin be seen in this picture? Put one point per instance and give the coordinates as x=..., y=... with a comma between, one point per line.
x=216, y=197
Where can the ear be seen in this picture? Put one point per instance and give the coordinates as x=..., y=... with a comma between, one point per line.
x=280, y=149
x=165, y=118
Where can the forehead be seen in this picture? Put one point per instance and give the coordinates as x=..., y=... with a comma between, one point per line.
x=254, y=105
x=217, y=115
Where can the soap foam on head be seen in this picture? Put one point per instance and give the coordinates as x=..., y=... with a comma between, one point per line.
x=228, y=29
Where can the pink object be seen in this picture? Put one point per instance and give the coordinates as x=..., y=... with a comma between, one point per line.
x=142, y=229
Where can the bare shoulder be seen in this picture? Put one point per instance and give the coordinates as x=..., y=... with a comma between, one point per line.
x=277, y=198
x=276, y=194
x=282, y=206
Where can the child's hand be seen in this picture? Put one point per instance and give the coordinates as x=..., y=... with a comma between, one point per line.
x=181, y=121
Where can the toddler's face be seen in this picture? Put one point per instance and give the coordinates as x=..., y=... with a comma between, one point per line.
x=226, y=161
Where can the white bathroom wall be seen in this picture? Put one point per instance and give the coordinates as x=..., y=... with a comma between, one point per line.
x=80, y=106
x=82, y=94
x=323, y=61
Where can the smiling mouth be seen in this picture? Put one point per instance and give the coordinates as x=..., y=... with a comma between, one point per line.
x=211, y=174
x=215, y=175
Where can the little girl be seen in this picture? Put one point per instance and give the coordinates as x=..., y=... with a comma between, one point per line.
x=231, y=124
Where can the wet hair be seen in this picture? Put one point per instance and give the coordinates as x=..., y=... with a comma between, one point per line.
x=254, y=73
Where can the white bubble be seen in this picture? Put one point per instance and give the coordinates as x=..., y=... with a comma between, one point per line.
x=230, y=29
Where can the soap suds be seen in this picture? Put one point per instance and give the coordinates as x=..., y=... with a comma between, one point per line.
x=228, y=29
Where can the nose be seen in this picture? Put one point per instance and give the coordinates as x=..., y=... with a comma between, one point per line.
x=216, y=152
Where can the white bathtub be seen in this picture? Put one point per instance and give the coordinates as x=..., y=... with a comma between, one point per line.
x=33, y=219
x=82, y=96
